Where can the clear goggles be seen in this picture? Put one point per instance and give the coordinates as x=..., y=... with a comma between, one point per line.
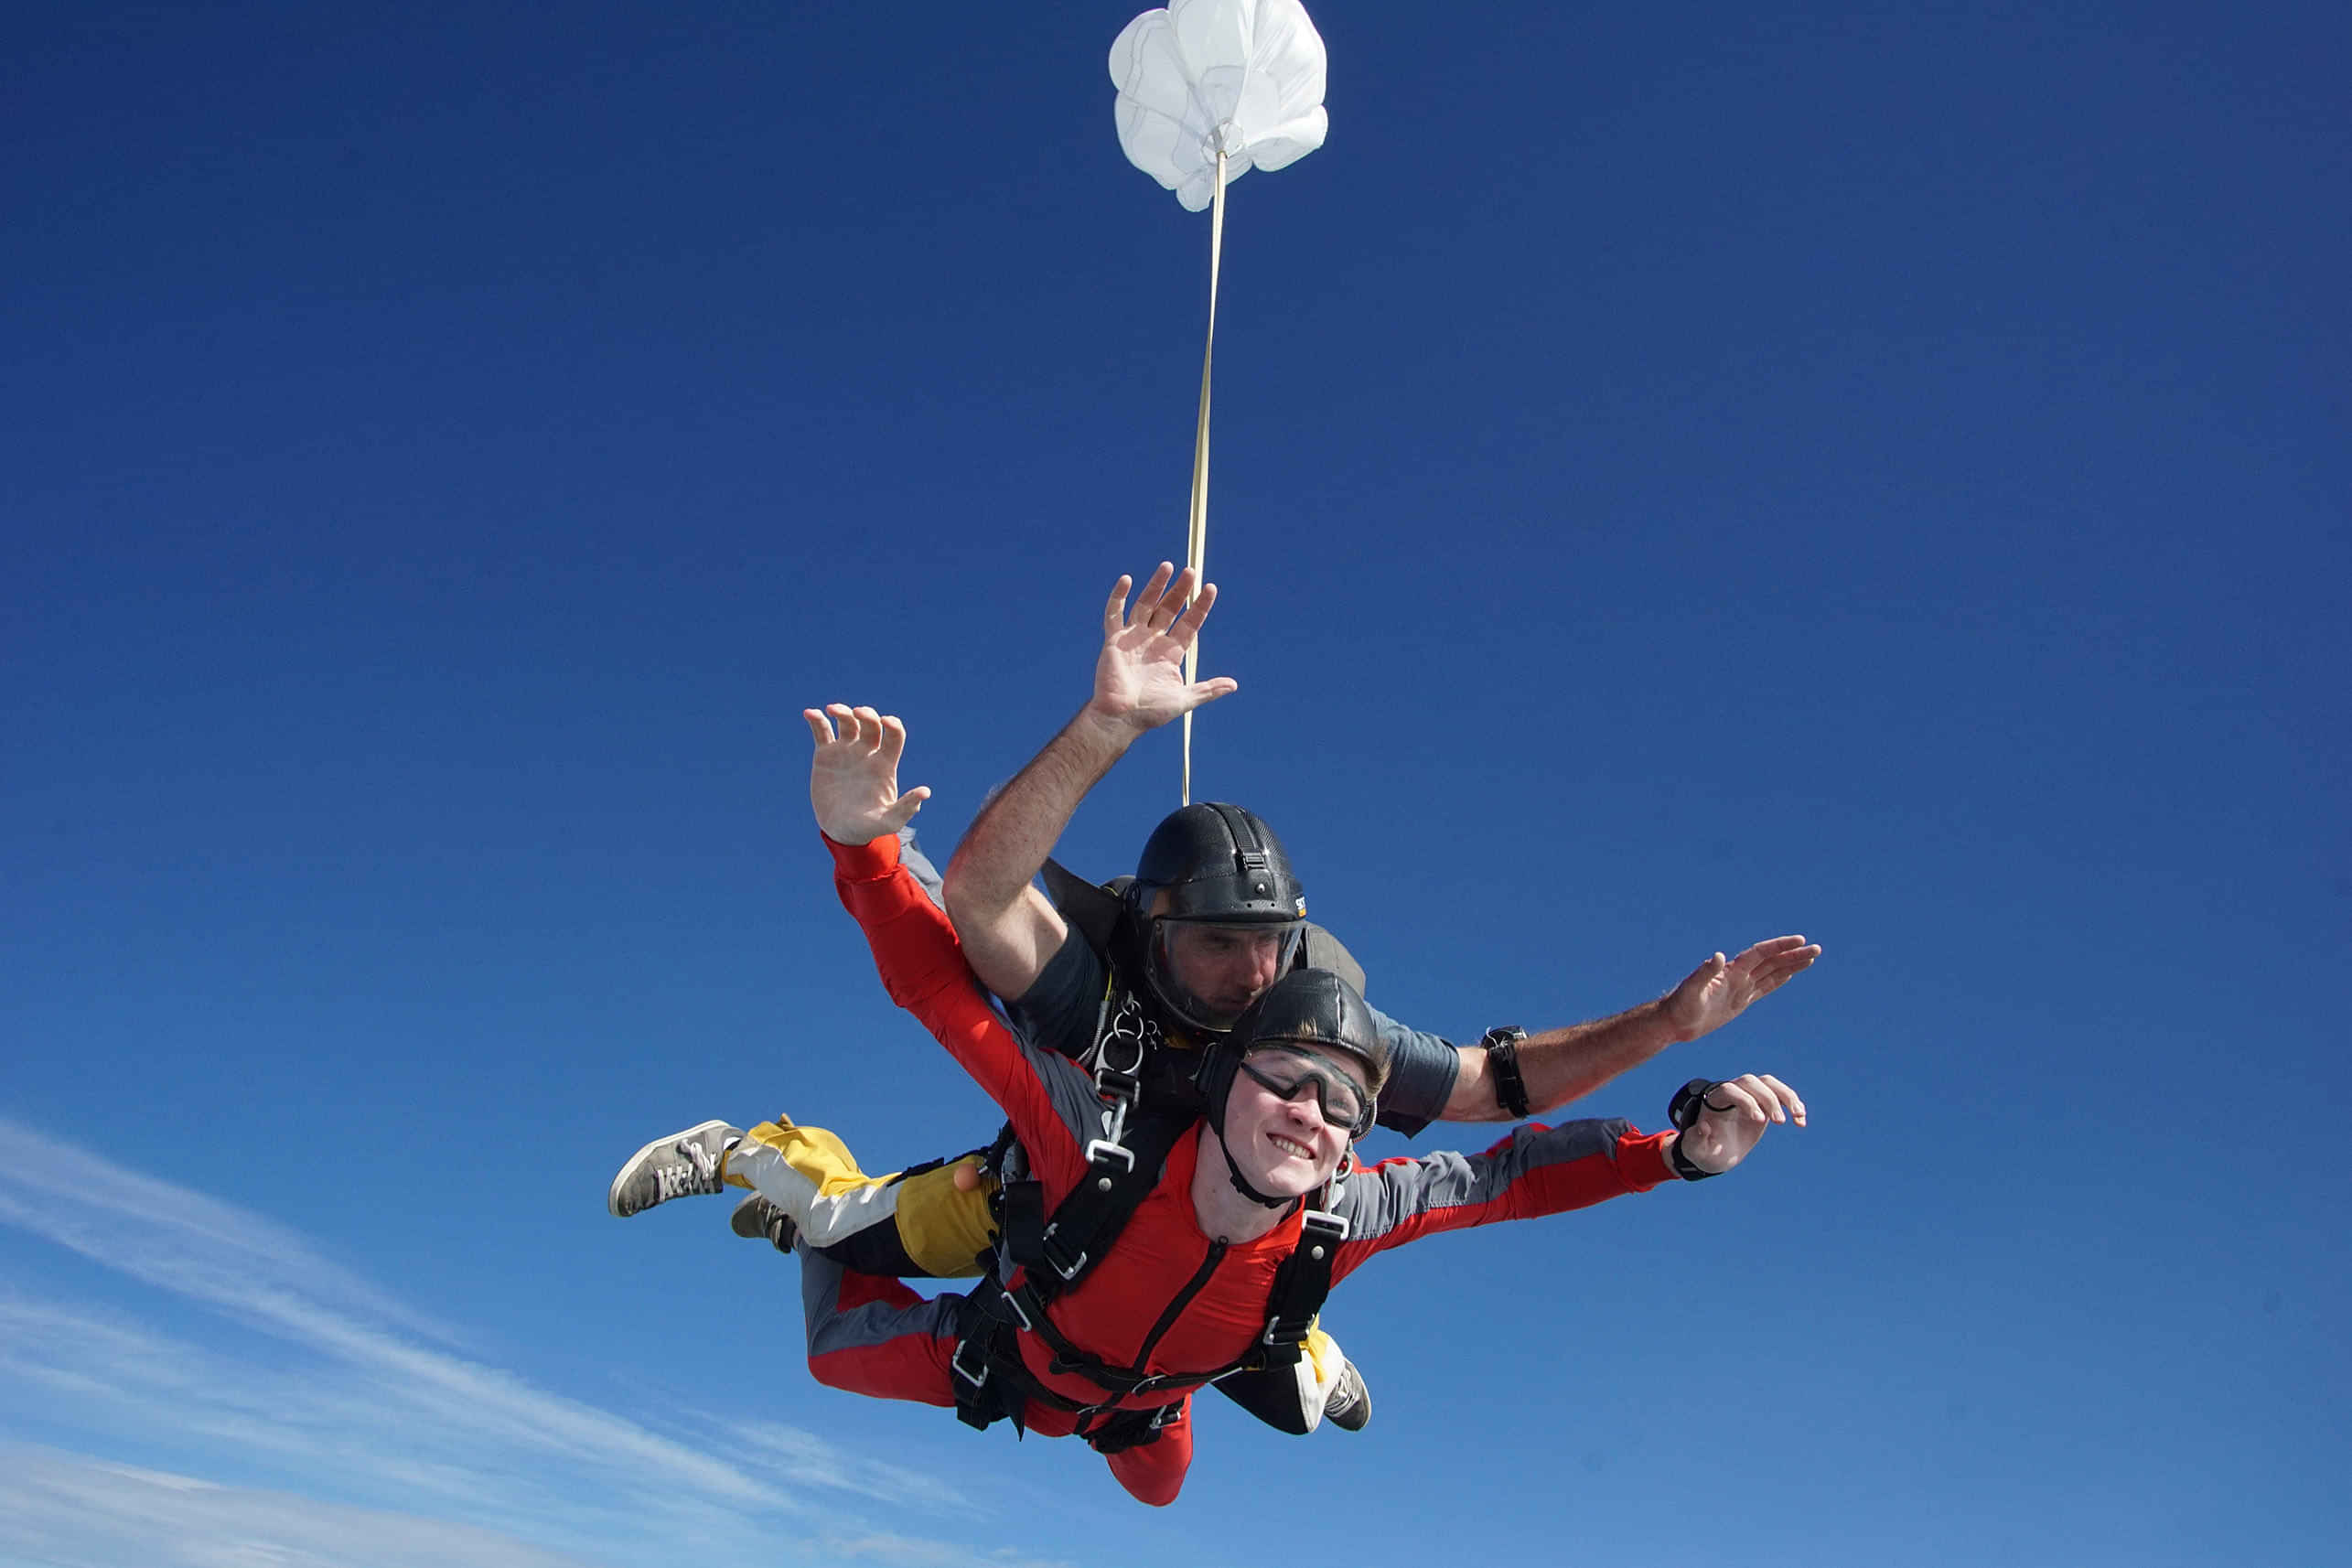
x=1286, y=1069
x=1209, y=973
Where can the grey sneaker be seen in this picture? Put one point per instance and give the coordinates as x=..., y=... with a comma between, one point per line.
x=683, y=1165
x=757, y=1219
x=1350, y=1406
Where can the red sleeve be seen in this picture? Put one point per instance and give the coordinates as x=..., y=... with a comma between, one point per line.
x=922, y=966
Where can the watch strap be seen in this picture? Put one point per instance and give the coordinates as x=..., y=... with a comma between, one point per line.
x=1502, y=1066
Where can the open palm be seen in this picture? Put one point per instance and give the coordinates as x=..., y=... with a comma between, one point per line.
x=1718, y=991
x=853, y=774
x=1139, y=677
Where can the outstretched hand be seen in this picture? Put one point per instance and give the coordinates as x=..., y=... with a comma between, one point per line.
x=1732, y=1117
x=853, y=778
x=1139, y=678
x=1718, y=992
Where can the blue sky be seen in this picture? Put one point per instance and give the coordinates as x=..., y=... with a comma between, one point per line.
x=1682, y=474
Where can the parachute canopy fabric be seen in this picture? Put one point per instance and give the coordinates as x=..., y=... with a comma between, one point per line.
x=1243, y=77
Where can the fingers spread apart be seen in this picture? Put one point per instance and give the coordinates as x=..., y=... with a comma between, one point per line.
x=861, y=727
x=837, y=724
x=1172, y=603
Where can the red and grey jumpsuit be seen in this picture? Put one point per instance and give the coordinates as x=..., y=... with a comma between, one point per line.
x=1169, y=1299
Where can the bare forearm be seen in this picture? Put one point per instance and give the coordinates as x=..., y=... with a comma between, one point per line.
x=1561, y=1065
x=1008, y=928
x=1009, y=842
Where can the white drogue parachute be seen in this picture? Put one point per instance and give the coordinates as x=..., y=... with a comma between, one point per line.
x=1209, y=90
x=1209, y=82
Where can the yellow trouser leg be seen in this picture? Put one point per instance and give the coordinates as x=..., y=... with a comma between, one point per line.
x=811, y=1175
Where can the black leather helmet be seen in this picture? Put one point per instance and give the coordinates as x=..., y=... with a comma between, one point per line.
x=1315, y=1008
x=1216, y=864
x=1304, y=1007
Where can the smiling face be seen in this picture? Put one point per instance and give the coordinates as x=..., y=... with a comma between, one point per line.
x=1285, y=1148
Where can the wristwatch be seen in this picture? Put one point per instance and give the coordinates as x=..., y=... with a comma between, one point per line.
x=1502, y=1064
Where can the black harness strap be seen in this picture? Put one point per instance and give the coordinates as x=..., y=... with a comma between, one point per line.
x=991, y=1381
x=1119, y=1176
x=1054, y=1252
x=1300, y=1286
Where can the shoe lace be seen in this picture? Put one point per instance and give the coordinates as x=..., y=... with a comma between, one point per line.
x=697, y=1175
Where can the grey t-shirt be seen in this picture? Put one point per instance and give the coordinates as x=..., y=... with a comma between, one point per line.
x=1060, y=1010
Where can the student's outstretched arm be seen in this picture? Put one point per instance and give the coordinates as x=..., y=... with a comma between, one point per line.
x=1540, y=1170
x=1009, y=931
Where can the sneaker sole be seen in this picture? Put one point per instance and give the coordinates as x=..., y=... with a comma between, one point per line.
x=752, y=1218
x=637, y=1162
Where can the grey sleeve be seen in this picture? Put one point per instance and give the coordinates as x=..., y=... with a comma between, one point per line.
x=919, y=866
x=1421, y=1069
x=1059, y=1010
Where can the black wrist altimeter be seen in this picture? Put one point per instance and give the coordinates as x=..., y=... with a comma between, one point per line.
x=1683, y=1111
x=1502, y=1066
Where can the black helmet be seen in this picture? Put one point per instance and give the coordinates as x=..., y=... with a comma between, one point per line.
x=1220, y=863
x=1304, y=1007
x=1218, y=866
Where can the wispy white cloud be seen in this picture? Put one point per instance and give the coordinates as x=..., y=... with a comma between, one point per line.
x=188, y=1242
x=362, y=1412
x=74, y=1513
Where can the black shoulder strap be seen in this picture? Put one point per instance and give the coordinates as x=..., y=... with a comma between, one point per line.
x=1300, y=1285
x=1323, y=950
x=1119, y=1176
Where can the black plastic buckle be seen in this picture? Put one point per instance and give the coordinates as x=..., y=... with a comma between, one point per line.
x=1114, y=1086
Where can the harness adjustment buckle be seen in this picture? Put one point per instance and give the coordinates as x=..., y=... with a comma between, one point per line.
x=977, y=1379
x=1282, y=1332
x=1102, y=1151
x=1057, y=1256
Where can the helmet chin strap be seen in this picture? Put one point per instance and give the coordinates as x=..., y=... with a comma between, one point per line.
x=1242, y=1183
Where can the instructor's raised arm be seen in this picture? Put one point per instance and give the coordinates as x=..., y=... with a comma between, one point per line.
x=1561, y=1065
x=1008, y=928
